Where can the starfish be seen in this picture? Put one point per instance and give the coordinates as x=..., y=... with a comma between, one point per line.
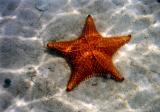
x=91, y=54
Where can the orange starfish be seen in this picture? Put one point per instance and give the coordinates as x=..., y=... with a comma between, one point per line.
x=90, y=54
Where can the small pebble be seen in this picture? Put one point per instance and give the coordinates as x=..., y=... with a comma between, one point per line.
x=7, y=83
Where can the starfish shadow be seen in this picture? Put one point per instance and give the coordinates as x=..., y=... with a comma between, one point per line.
x=107, y=77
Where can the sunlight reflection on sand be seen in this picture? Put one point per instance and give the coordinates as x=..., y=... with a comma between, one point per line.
x=134, y=52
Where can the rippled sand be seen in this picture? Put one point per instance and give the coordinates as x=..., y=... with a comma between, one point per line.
x=34, y=80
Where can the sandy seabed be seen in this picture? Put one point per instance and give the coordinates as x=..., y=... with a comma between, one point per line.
x=34, y=80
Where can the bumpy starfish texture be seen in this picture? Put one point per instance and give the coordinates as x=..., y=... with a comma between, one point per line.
x=90, y=54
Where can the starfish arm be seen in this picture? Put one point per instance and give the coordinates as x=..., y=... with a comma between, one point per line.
x=114, y=73
x=106, y=63
x=81, y=70
x=89, y=29
x=111, y=45
x=64, y=47
x=77, y=76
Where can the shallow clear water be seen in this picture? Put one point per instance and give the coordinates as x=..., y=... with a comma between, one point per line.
x=33, y=80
